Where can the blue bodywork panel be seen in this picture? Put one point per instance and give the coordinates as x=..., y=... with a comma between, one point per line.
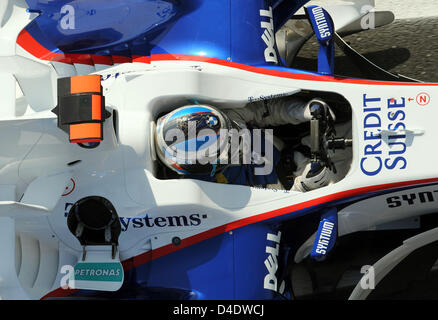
x=223, y=29
x=227, y=266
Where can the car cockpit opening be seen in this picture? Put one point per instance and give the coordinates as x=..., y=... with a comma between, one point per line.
x=299, y=142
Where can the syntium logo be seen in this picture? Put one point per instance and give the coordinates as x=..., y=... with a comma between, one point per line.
x=321, y=22
x=192, y=220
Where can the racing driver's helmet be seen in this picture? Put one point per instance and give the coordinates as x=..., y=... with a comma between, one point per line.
x=192, y=140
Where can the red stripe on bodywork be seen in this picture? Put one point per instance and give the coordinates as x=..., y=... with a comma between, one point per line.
x=81, y=59
x=141, y=59
x=121, y=59
x=59, y=293
x=106, y=60
x=28, y=43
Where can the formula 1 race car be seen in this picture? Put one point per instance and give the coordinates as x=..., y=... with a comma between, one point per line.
x=87, y=209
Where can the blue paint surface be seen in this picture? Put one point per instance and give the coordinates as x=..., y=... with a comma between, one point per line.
x=224, y=29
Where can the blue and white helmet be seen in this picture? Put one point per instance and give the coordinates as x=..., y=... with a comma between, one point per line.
x=192, y=139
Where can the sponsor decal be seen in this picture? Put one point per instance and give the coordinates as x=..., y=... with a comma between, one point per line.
x=269, y=189
x=271, y=263
x=269, y=97
x=110, y=76
x=410, y=199
x=321, y=23
x=268, y=35
x=192, y=220
x=324, y=237
x=377, y=155
x=104, y=276
x=98, y=271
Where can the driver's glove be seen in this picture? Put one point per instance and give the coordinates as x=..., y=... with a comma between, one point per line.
x=314, y=176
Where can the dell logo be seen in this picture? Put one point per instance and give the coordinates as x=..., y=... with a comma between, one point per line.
x=268, y=36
